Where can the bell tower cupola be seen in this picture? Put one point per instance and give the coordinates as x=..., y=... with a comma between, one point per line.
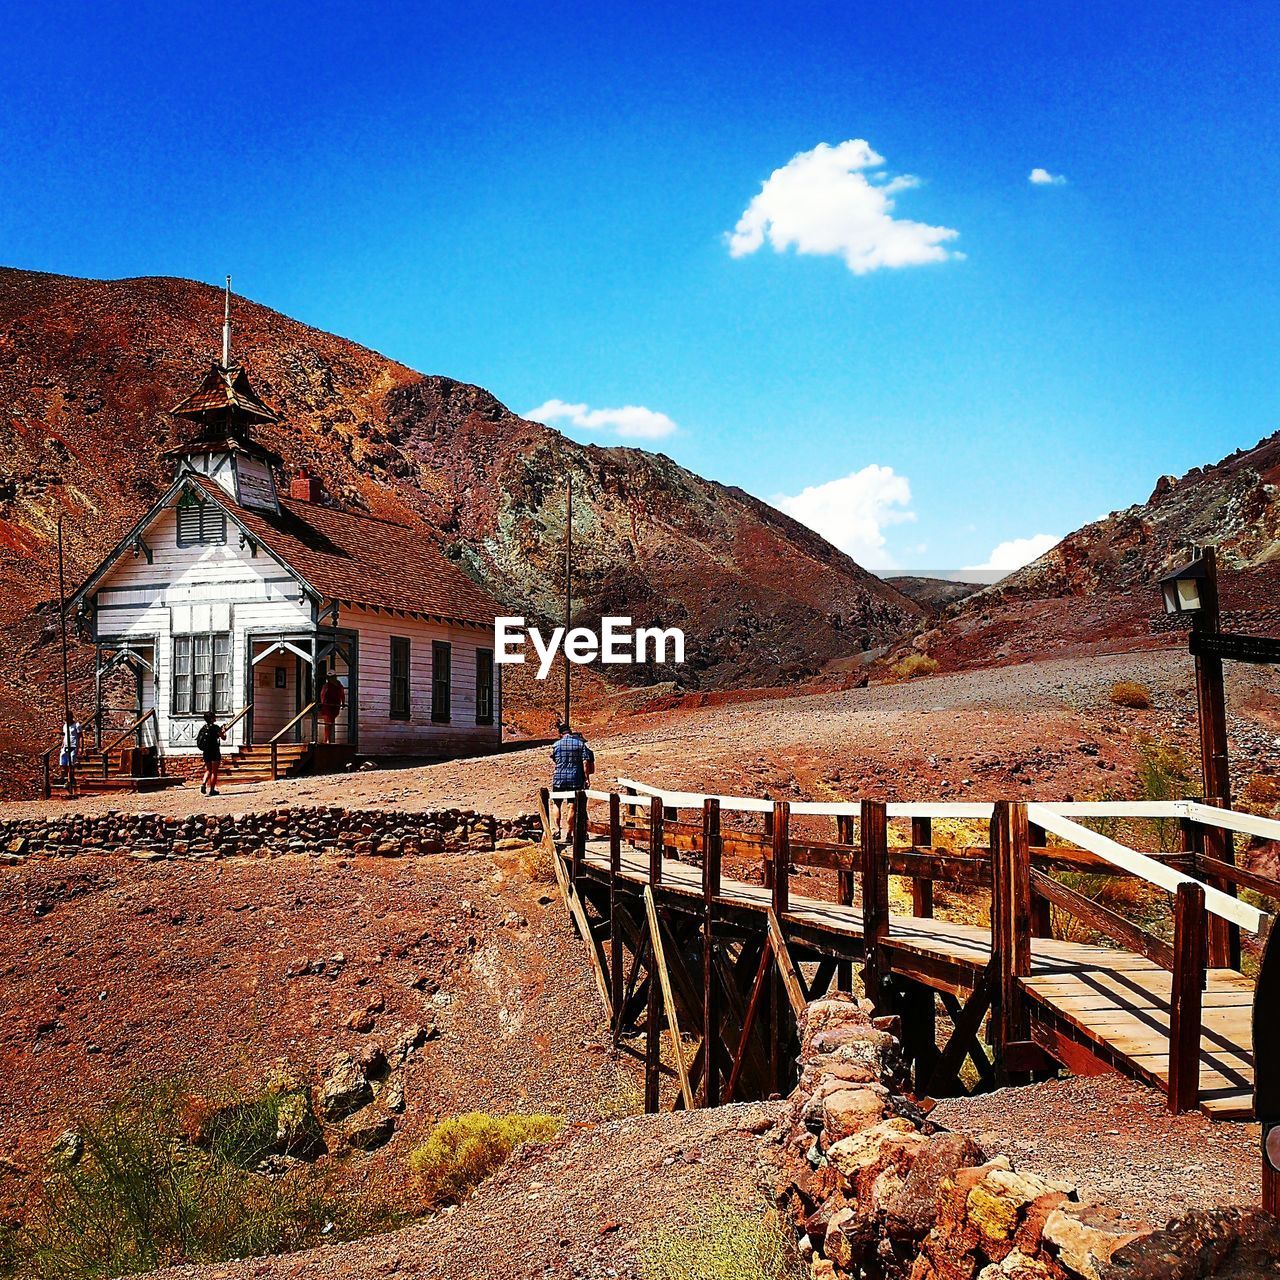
x=227, y=409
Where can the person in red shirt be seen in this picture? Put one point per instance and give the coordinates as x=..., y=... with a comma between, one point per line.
x=333, y=697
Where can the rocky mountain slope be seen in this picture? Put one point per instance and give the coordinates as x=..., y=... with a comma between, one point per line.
x=1095, y=591
x=89, y=368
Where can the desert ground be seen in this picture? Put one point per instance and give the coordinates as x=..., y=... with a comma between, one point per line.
x=226, y=971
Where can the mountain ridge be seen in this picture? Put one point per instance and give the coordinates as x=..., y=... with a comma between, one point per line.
x=89, y=370
x=1097, y=587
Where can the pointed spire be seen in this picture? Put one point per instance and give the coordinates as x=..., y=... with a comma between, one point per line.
x=226, y=328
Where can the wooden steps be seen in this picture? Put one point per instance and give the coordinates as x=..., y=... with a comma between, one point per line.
x=92, y=780
x=253, y=763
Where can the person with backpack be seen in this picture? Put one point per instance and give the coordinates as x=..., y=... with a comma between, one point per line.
x=209, y=740
x=575, y=763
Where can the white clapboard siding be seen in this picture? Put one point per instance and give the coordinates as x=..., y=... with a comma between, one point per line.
x=254, y=593
x=419, y=735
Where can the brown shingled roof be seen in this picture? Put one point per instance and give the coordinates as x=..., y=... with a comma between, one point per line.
x=363, y=560
x=224, y=395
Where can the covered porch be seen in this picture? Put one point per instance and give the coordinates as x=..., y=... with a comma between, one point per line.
x=286, y=674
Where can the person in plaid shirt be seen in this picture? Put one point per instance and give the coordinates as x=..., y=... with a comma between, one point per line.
x=575, y=762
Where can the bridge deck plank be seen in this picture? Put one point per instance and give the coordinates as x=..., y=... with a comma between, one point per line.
x=1115, y=1000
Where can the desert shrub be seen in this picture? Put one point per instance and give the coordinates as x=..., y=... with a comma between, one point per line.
x=535, y=862
x=1163, y=774
x=140, y=1194
x=461, y=1152
x=1129, y=693
x=1262, y=792
x=245, y=1132
x=720, y=1242
x=625, y=1098
x=915, y=664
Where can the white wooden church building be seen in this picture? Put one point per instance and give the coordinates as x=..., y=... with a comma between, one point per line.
x=231, y=596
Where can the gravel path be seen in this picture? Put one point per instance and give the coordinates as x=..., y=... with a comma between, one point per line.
x=1116, y=1142
x=1044, y=729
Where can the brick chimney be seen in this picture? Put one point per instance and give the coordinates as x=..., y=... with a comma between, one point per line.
x=304, y=487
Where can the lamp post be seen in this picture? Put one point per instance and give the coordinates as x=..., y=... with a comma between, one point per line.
x=1193, y=589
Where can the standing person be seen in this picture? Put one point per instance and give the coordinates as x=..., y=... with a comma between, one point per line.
x=333, y=697
x=69, y=755
x=209, y=740
x=575, y=762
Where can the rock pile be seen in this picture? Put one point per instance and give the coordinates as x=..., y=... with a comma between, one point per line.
x=291, y=830
x=877, y=1190
x=363, y=1093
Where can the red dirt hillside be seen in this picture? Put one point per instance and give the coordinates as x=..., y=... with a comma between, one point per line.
x=1095, y=591
x=89, y=368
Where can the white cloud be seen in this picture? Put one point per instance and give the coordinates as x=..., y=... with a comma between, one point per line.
x=1017, y=552
x=853, y=511
x=631, y=421
x=822, y=202
x=1039, y=177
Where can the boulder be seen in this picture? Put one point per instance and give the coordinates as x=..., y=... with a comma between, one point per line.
x=345, y=1089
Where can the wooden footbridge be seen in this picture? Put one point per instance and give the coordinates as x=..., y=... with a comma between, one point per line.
x=679, y=946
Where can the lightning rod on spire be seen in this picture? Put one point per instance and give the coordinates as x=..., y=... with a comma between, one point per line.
x=226, y=328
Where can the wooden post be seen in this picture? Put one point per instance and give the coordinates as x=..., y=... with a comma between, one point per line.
x=655, y=841
x=710, y=989
x=781, y=848
x=579, y=835
x=767, y=873
x=1041, y=909
x=781, y=857
x=921, y=889
x=749, y=1019
x=652, y=1045
x=1224, y=935
x=1010, y=926
x=919, y=1031
x=670, y=815
x=615, y=925
x=1266, y=1068
x=847, y=879
x=46, y=785
x=1190, y=947
x=275, y=762
x=1211, y=700
x=875, y=900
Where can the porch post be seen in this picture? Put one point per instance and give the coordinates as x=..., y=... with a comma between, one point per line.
x=315, y=684
x=97, y=699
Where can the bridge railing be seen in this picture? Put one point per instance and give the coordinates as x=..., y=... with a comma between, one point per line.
x=1016, y=865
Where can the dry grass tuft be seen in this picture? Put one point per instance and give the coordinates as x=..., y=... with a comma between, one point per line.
x=1129, y=693
x=721, y=1242
x=535, y=863
x=1262, y=792
x=460, y=1153
x=913, y=665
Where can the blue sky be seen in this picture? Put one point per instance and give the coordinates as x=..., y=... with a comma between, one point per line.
x=543, y=200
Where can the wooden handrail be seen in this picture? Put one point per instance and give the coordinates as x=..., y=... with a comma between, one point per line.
x=133, y=728
x=1109, y=923
x=305, y=710
x=239, y=715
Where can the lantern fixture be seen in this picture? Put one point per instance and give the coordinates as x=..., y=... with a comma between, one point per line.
x=1182, y=589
